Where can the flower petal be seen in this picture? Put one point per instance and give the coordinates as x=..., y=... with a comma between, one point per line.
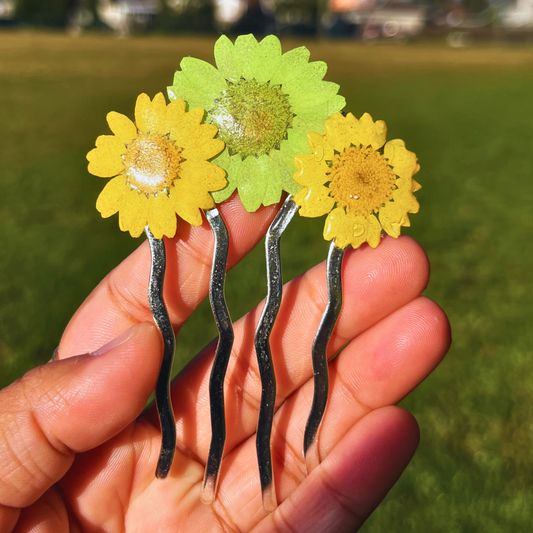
x=291, y=65
x=204, y=79
x=267, y=59
x=276, y=173
x=369, y=133
x=105, y=161
x=308, y=81
x=175, y=112
x=121, y=126
x=133, y=216
x=188, y=198
x=211, y=176
x=228, y=62
x=311, y=172
x=246, y=48
x=161, y=216
x=252, y=187
x=318, y=144
x=373, y=231
x=314, y=202
x=321, y=92
x=233, y=167
x=185, y=132
x=403, y=162
x=391, y=218
x=150, y=116
x=112, y=197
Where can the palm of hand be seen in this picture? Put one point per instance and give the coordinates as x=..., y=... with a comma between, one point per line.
x=392, y=339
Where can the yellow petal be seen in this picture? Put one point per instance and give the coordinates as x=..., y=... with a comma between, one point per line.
x=314, y=202
x=121, y=126
x=358, y=226
x=133, y=216
x=334, y=223
x=311, y=172
x=209, y=175
x=105, y=160
x=347, y=232
x=403, y=162
x=319, y=146
x=416, y=186
x=161, y=216
x=204, y=151
x=369, y=133
x=339, y=130
x=150, y=116
x=175, y=112
x=185, y=132
x=112, y=197
x=188, y=199
x=391, y=218
x=373, y=231
x=404, y=198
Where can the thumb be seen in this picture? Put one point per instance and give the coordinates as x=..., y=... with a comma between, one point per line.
x=71, y=406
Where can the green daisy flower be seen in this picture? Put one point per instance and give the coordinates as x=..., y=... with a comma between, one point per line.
x=264, y=103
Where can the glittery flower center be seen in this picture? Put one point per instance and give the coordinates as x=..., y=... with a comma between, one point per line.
x=361, y=180
x=151, y=163
x=252, y=119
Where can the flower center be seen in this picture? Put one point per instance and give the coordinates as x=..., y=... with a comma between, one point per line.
x=151, y=163
x=361, y=180
x=252, y=119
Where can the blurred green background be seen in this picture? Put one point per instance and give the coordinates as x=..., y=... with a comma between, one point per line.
x=467, y=113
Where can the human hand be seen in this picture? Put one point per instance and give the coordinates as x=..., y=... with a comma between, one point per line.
x=76, y=456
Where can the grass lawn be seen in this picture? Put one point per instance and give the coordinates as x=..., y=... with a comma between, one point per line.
x=468, y=114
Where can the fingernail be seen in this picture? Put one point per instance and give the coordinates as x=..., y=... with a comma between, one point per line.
x=121, y=339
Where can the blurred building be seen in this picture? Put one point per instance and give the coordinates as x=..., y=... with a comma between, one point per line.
x=376, y=19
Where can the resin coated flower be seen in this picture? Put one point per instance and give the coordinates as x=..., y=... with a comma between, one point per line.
x=264, y=103
x=370, y=185
x=161, y=166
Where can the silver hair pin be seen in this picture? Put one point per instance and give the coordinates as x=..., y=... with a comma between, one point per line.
x=319, y=355
x=162, y=390
x=262, y=348
x=222, y=356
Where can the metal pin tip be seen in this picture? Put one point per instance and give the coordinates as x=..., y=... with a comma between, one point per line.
x=270, y=502
x=164, y=464
x=209, y=489
x=311, y=457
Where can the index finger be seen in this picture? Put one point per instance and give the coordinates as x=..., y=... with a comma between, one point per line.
x=120, y=300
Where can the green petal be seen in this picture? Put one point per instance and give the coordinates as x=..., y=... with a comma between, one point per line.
x=193, y=96
x=291, y=65
x=232, y=166
x=203, y=75
x=227, y=61
x=308, y=79
x=284, y=174
x=319, y=113
x=317, y=94
x=252, y=184
x=270, y=172
x=296, y=143
x=198, y=83
x=267, y=59
x=246, y=48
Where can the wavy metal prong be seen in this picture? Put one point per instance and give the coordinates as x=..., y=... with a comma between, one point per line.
x=162, y=391
x=320, y=361
x=262, y=348
x=222, y=356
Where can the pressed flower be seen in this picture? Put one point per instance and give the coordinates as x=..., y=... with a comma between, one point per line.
x=263, y=103
x=160, y=166
x=363, y=183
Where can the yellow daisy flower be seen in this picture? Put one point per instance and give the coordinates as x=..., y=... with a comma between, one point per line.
x=159, y=166
x=370, y=185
